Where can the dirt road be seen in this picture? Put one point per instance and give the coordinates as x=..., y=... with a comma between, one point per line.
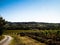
x=29, y=41
x=6, y=40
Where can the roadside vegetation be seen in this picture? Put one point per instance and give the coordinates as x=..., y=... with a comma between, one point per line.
x=1, y=37
x=16, y=40
x=49, y=37
x=24, y=40
x=2, y=24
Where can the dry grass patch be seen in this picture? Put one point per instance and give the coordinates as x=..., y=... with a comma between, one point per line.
x=1, y=37
x=29, y=41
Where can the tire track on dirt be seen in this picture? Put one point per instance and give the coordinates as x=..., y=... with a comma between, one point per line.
x=6, y=40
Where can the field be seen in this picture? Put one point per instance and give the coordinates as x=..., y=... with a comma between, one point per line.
x=18, y=31
x=34, y=37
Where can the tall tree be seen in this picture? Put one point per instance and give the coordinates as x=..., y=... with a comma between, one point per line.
x=2, y=23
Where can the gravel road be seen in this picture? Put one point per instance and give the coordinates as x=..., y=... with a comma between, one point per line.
x=6, y=40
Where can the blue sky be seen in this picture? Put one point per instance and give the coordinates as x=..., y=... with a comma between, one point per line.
x=30, y=10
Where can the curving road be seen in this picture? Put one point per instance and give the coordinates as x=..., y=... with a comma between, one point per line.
x=6, y=40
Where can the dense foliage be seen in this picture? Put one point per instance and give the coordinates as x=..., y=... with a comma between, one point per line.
x=2, y=23
x=32, y=25
x=48, y=37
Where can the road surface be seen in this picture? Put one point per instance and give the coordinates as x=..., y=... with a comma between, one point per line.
x=6, y=40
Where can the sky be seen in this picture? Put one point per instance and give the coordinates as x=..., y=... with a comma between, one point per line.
x=30, y=10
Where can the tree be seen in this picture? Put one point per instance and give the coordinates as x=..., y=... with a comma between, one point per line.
x=2, y=23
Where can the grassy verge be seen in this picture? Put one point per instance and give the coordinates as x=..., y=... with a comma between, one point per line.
x=1, y=37
x=16, y=41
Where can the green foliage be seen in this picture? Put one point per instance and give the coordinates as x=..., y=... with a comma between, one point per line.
x=2, y=23
x=51, y=37
x=32, y=26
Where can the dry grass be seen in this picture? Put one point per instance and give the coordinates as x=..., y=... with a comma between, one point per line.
x=1, y=37
x=29, y=41
x=16, y=41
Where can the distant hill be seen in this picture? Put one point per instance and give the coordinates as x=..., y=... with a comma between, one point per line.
x=32, y=25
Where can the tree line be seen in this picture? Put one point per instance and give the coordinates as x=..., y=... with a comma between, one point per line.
x=32, y=26
x=2, y=25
